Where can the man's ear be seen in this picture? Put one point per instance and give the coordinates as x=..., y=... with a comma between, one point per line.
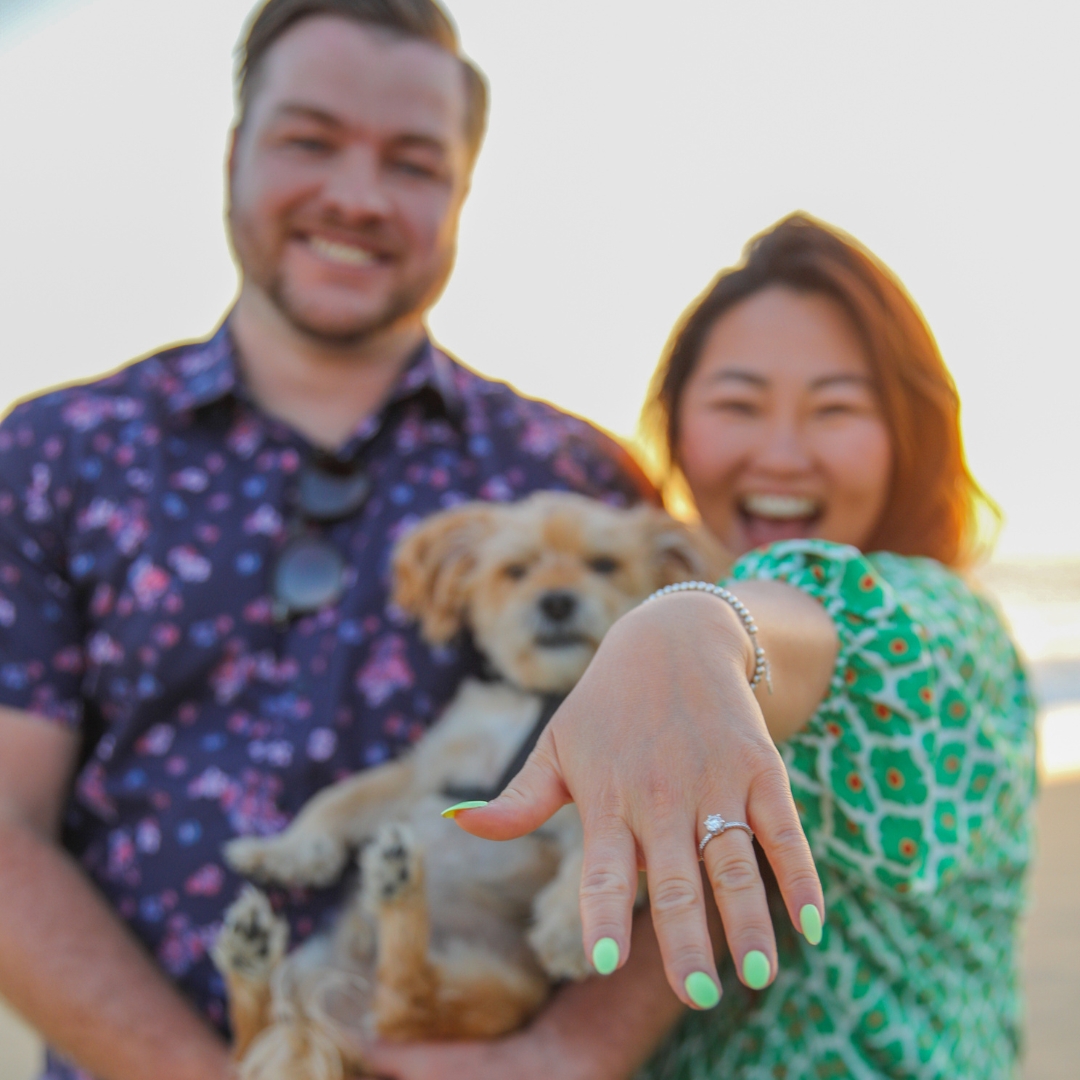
x=432, y=565
x=230, y=165
x=683, y=552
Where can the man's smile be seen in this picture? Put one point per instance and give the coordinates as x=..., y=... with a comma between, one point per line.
x=341, y=253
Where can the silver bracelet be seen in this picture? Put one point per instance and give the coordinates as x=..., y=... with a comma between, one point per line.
x=761, y=665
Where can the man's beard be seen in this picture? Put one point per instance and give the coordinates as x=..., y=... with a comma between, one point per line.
x=349, y=332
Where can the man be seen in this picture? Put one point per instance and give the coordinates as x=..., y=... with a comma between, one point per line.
x=194, y=628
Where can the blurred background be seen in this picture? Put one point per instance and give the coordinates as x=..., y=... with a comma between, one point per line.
x=632, y=150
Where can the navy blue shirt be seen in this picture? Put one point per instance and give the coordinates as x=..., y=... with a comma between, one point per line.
x=140, y=516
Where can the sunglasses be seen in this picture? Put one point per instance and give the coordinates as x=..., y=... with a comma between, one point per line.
x=310, y=571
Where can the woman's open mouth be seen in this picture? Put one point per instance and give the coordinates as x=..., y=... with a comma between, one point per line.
x=768, y=518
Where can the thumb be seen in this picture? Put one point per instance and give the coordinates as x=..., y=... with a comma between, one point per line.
x=528, y=801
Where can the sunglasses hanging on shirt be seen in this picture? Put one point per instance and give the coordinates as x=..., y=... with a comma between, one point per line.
x=310, y=571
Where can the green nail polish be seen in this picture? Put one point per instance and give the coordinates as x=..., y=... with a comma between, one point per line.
x=810, y=921
x=472, y=804
x=605, y=955
x=756, y=969
x=702, y=991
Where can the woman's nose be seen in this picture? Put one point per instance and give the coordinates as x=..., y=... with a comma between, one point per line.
x=783, y=448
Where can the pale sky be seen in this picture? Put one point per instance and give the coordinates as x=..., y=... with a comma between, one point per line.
x=633, y=149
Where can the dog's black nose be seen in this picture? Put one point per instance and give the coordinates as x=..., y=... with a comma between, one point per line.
x=558, y=606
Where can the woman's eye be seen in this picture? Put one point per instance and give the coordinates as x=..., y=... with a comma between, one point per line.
x=603, y=564
x=737, y=408
x=515, y=571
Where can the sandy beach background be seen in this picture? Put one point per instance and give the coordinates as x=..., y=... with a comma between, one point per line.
x=1041, y=600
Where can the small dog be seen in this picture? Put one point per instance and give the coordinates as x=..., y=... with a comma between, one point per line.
x=449, y=936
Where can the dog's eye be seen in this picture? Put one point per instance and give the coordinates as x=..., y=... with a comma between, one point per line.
x=515, y=571
x=604, y=564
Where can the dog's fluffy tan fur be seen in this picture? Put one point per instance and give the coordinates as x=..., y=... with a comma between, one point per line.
x=449, y=936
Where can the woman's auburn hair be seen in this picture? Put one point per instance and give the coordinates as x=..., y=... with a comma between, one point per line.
x=933, y=504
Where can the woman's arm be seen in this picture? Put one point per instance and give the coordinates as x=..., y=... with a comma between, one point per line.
x=801, y=643
x=663, y=731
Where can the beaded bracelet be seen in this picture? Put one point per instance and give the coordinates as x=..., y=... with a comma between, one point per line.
x=761, y=665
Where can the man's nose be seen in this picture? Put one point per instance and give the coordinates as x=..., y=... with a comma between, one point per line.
x=355, y=188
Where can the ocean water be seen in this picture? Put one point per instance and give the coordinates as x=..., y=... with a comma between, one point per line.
x=1041, y=602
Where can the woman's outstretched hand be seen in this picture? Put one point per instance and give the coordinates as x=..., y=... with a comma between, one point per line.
x=661, y=732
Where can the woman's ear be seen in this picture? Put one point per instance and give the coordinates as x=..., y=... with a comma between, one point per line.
x=684, y=552
x=431, y=568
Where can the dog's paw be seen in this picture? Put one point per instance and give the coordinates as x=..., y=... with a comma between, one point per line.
x=557, y=945
x=294, y=857
x=555, y=936
x=252, y=940
x=391, y=865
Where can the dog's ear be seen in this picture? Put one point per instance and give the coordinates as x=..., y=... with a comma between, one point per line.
x=684, y=552
x=431, y=566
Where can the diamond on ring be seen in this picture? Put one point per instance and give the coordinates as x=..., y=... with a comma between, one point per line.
x=715, y=826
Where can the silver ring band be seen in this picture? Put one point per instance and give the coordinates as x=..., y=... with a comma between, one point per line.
x=715, y=825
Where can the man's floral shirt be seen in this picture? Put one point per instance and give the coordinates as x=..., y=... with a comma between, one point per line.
x=140, y=517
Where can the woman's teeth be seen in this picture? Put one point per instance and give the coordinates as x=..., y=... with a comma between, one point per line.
x=340, y=253
x=780, y=507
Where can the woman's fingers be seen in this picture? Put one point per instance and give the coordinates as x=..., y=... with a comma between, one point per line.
x=732, y=870
x=677, y=906
x=779, y=832
x=528, y=801
x=609, y=881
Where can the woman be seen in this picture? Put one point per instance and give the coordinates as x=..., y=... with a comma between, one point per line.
x=804, y=403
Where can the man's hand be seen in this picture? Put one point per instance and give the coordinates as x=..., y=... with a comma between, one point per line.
x=67, y=963
x=599, y=1029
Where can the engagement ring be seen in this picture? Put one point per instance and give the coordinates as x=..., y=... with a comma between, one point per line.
x=715, y=825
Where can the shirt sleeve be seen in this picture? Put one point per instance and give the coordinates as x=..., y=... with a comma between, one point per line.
x=41, y=654
x=920, y=760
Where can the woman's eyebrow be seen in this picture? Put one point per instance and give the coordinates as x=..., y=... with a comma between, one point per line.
x=739, y=376
x=839, y=380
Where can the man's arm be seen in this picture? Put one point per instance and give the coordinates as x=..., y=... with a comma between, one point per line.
x=605, y=1028
x=67, y=963
x=598, y=1029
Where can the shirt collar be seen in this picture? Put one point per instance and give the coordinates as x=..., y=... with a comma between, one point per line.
x=208, y=372
x=201, y=374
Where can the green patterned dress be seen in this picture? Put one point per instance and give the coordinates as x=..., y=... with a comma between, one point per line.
x=915, y=782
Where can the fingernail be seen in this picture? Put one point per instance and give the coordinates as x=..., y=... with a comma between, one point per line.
x=605, y=955
x=810, y=921
x=702, y=991
x=756, y=969
x=472, y=804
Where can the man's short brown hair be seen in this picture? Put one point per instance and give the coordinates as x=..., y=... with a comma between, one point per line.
x=422, y=19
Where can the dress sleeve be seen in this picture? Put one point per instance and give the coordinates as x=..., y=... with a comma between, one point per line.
x=41, y=654
x=921, y=757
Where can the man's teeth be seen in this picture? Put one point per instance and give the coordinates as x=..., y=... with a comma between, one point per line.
x=342, y=253
x=780, y=507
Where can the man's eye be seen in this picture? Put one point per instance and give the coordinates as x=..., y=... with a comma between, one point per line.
x=415, y=168
x=604, y=564
x=515, y=571
x=310, y=145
